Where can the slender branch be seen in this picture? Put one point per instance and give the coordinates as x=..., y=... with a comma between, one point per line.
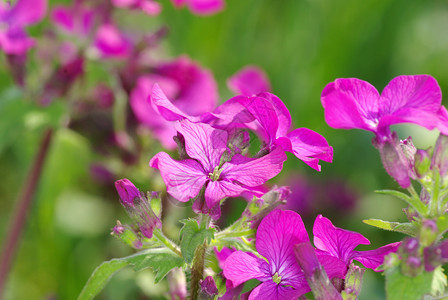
x=167, y=242
x=19, y=215
x=197, y=271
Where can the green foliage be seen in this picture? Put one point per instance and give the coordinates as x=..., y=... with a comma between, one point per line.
x=414, y=202
x=192, y=236
x=406, y=228
x=160, y=260
x=400, y=286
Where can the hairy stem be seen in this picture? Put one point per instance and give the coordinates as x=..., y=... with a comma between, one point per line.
x=167, y=242
x=197, y=271
x=23, y=204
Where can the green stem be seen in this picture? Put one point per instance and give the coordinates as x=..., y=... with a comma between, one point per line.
x=434, y=208
x=197, y=271
x=167, y=242
x=230, y=234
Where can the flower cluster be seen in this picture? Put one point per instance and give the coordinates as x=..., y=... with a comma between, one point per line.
x=283, y=270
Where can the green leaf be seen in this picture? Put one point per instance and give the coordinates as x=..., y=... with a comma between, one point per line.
x=160, y=260
x=100, y=277
x=402, y=287
x=192, y=236
x=442, y=224
x=439, y=282
x=414, y=202
x=406, y=228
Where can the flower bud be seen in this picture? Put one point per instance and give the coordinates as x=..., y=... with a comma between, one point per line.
x=178, y=284
x=137, y=207
x=394, y=160
x=432, y=257
x=409, y=247
x=208, y=286
x=440, y=155
x=428, y=232
x=422, y=163
x=353, y=282
x=412, y=266
x=127, y=235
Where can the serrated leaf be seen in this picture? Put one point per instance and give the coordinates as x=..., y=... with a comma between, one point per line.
x=439, y=282
x=416, y=203
x=406, y=228
x=402, y=287
x=160, y=260
x=192, y=236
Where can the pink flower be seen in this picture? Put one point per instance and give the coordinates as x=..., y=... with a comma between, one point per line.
x=279, y=272
x=265, y=114
x=192, y=88
x=353, y=103
x=13, y=20
x=210, y=168
x=201, y=7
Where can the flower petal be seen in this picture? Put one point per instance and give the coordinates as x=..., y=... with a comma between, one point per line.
x=265, y=114
x=310, y=147
x=254, y=171
x=203, y=142
x=336, y=241
x=420, y=92
x=240, y=267
x=278, y=232
x=166, y=108
x=372, y=259
x=269, y=290
x=26, y=12
x=183, y=179
x=249, y=81
x=218, y=190
x=350, y=103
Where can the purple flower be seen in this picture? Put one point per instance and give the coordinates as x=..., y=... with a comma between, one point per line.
x=353, y=103
x=137, y=207
x=249, y=81
x=149, y=7
x=210, y=167
x=265, y=114
x=14, y=19
x=201, y=7
x=280, y=274
x=192, y=88
x=341, y=243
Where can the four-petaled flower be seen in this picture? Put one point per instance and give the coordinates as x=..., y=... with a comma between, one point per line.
x=211, y=167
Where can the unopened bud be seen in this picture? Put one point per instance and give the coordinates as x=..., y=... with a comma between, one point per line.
x=137, y=207
x=411, y=213
x=178, y=284
x=432, y=257
x=412, y=266
x=428, y=232
x=353, y=282
x=208, y=286
x=409, y=247
x=422, y=163
x=394, y=160
x=440, y=155
x=127, y=235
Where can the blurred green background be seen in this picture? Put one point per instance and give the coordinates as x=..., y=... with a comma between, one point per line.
x=302, y=46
